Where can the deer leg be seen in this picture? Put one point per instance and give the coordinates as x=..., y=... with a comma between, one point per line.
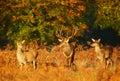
x=106, y=63
x=21, y=65
x=34, y=64
x=109, y=63
x=73, y=67
x=67, y=62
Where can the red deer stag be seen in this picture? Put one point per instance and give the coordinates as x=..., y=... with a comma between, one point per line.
x=67, y=48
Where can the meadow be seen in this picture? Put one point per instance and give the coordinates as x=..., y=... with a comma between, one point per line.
x=50, y=67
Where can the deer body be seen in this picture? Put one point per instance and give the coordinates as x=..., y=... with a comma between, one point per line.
x=68, y=51
x=99, y=53
x=103, y=53
x=23, y=57
x=67, y=48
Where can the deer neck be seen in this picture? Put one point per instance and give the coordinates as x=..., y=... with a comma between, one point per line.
x=19, y=50
x=67, y=45
x=63, y=45
x=97, y=49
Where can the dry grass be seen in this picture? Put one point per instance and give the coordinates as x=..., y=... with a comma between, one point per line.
x=87, y=67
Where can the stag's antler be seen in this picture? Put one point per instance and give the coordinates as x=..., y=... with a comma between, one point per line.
x=75, y=30
x=58, y=33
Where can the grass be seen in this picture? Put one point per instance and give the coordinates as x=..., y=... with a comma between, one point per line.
x=87, y=68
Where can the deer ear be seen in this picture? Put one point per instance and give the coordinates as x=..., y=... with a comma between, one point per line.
x=23, y=41
x=93, y=40
x=60, y=40
x=67, y=40
x=99, y=40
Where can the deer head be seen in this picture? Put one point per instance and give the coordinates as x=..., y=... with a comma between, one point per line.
x=96, y=42
x=20, y=44
x=65, y=40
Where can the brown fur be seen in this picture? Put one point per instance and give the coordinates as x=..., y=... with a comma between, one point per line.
x=25, y=56
x=104, y=53
x=68, y=50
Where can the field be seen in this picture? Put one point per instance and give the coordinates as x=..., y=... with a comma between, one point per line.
x=50, y=67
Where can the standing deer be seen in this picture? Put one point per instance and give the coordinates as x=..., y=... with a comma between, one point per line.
x=25, y=56
x=67, y=48
x=104, y=54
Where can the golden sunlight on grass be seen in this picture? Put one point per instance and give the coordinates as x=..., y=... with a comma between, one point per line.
x=87, y=68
